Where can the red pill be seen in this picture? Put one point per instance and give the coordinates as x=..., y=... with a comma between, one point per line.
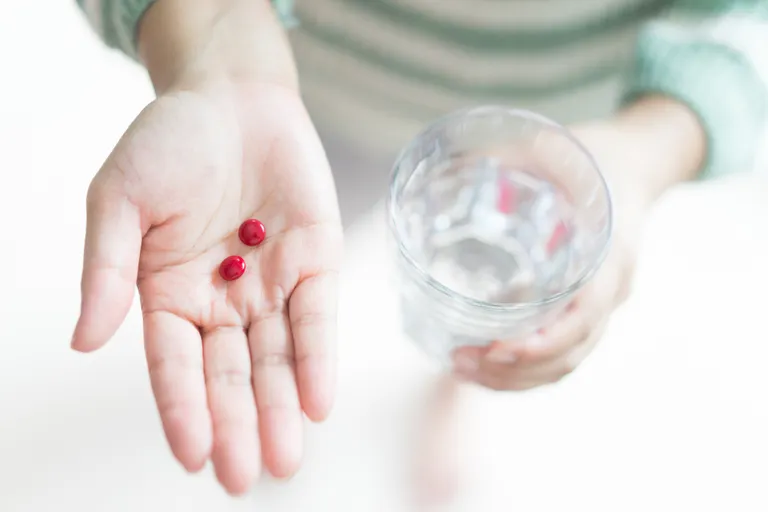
x=232, y=268
x=506, y=202
x=252, y=232
x=558, y=236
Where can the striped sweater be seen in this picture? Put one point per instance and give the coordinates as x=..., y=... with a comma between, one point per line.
x=374, y=72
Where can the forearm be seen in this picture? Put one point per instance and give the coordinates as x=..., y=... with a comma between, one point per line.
x=668, y=144
x=646, y=148
x=238, y=40
x=709, y=56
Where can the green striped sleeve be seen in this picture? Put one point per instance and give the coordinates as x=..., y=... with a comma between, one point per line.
x=710, y=55
x=115, y=21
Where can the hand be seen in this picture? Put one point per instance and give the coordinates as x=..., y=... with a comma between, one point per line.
x=556, y=350
x=232, y=364
x=627, y=151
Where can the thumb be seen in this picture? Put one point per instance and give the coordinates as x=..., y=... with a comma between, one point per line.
x=110, y=262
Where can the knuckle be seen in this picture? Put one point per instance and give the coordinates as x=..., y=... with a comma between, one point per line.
x=279, y=405
x=497, y=386
x=164, y=364
x=491, y=382
x=273, y=359
x=221, y=333
x=521, y=386
x=267, y=319
x=230, y=377
x=508, y=383
x=310, y=319
x=169, y=409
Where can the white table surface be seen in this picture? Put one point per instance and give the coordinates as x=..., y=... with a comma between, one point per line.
x=670, y=413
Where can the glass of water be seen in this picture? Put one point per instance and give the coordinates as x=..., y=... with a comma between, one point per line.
x=498, y=216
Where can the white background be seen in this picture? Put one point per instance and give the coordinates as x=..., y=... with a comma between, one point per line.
x=671, y=412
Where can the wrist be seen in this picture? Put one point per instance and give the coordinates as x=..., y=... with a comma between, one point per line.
x=645, y=149
x=218, y=40
x=664, y=141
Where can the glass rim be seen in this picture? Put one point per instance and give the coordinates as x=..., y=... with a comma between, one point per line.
x=395, y=226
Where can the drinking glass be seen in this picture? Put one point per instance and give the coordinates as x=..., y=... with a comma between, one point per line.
x=498, y=217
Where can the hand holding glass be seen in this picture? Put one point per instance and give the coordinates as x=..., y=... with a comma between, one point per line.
x=499, y=216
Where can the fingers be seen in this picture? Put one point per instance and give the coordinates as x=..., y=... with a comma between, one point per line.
x=312, y=311
x=573, y=327
x=547, y=357
x=544, y=359
x=236, y=452
x=553, y=370
x=110, y=264
x=175, y=361
x=471, y=363
x=277, y=395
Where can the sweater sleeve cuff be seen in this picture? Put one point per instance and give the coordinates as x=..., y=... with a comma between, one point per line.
x=717, y=83
x=116, y=21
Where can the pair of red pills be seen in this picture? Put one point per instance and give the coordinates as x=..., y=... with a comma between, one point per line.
x=251, y=233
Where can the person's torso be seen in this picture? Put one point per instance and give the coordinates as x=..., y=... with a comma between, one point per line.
x=376, y=71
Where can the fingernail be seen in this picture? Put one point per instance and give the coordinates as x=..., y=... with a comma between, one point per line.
x=501, y=356
x=465, y=364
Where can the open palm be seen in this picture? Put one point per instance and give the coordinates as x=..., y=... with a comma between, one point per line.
x=232, y=364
